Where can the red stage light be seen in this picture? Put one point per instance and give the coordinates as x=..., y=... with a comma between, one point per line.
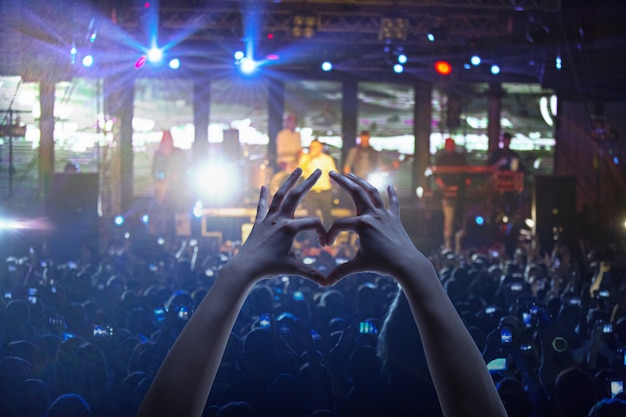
x=140, y=61
x=443, y=67
x=270, y=36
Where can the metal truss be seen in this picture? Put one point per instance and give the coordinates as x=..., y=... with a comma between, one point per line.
x=224, y=24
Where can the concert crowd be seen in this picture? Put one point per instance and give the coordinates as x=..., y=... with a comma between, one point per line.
x=86, y=337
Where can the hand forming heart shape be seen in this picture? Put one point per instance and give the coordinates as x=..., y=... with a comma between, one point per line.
x=382, y=237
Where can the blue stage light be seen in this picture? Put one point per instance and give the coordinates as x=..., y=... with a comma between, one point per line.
x=495, y=70
x=480, y=220
x=175, y=63
x=327, y=66
x=119, y=220
x=398, y=68
x=402, y=59
x=475, y=60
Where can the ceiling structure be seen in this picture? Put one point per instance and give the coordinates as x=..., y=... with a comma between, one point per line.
x=362, y=38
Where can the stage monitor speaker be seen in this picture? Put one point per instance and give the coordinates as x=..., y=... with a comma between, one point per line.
x=72, y=196
x=554, y=208
x=72, y=208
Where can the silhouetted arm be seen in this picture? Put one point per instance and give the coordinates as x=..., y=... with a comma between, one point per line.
x=183, y=382
x=463, y=383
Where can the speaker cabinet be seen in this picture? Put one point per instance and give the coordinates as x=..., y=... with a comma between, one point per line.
x=554, y=209
x=72, y=208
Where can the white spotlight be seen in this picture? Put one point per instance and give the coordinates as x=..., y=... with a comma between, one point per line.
x=155, y=55
x=475, y=60
x=495, y=70
x=239, y=55
x=402, y=59
x=398, y=68
x=248, y=65
x=327, y=66
x=175, y=63
x=88, y=60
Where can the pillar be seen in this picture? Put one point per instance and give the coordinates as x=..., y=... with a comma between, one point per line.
x=349, y=116
x=201, y=116
x=47, y=89
x=422, y=119
x=494, y=109
x=276, y=106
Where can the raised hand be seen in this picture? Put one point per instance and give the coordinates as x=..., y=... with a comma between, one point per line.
x=268, y=251
x=381, y=234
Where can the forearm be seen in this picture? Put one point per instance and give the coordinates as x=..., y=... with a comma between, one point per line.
x=183, y=383
x=462, y=381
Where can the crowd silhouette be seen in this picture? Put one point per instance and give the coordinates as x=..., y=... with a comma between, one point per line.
x=255, y=331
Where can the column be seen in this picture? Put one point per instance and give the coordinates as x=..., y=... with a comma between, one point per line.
x=276, y=106
x=422, y=119
x=201, y=116
x=119, y=94
x=494, y=108
x=349, y=117
x=47, y=89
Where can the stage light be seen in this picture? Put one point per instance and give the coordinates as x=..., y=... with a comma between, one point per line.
x=443, y=67
x=73, y=52
x=419, y=192
x=615, y=160
x=92, y=37
x=155, y=55
x=558, y=62
x=145, y=219
x=272, y=57
x=327, y=66
x=377, y=179
x=198, y=209
x=530, y=223
x=208, y=185
x=239, y=55
x=430, y=37
x=88, y=60
x=140, y=61
x=175, y=63
x=398, y=68
x=480, y=220
x=119, y=220
x=467, y=66
x=248, y=66
x=402, y=59
x=505, y=219
x=495, y=69
x=475, y=60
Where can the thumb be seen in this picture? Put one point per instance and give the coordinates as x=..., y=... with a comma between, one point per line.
x=341, y=271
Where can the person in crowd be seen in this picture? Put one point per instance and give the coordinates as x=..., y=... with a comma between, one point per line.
x=463, y=384
x=362, y=159
x=169, y=178
x=452, y=186
x=288, y=145
x=504, y=158
x=321, y=195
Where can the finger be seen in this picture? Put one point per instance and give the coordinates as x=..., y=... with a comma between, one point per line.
x=394, y=203
x=372, y=192
x=261, y=208
x=294, y=198
x=343, y=270
x=311, y=223
x=283, y=191
x=358, y=194
x=296, y=267
x=338, y=226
